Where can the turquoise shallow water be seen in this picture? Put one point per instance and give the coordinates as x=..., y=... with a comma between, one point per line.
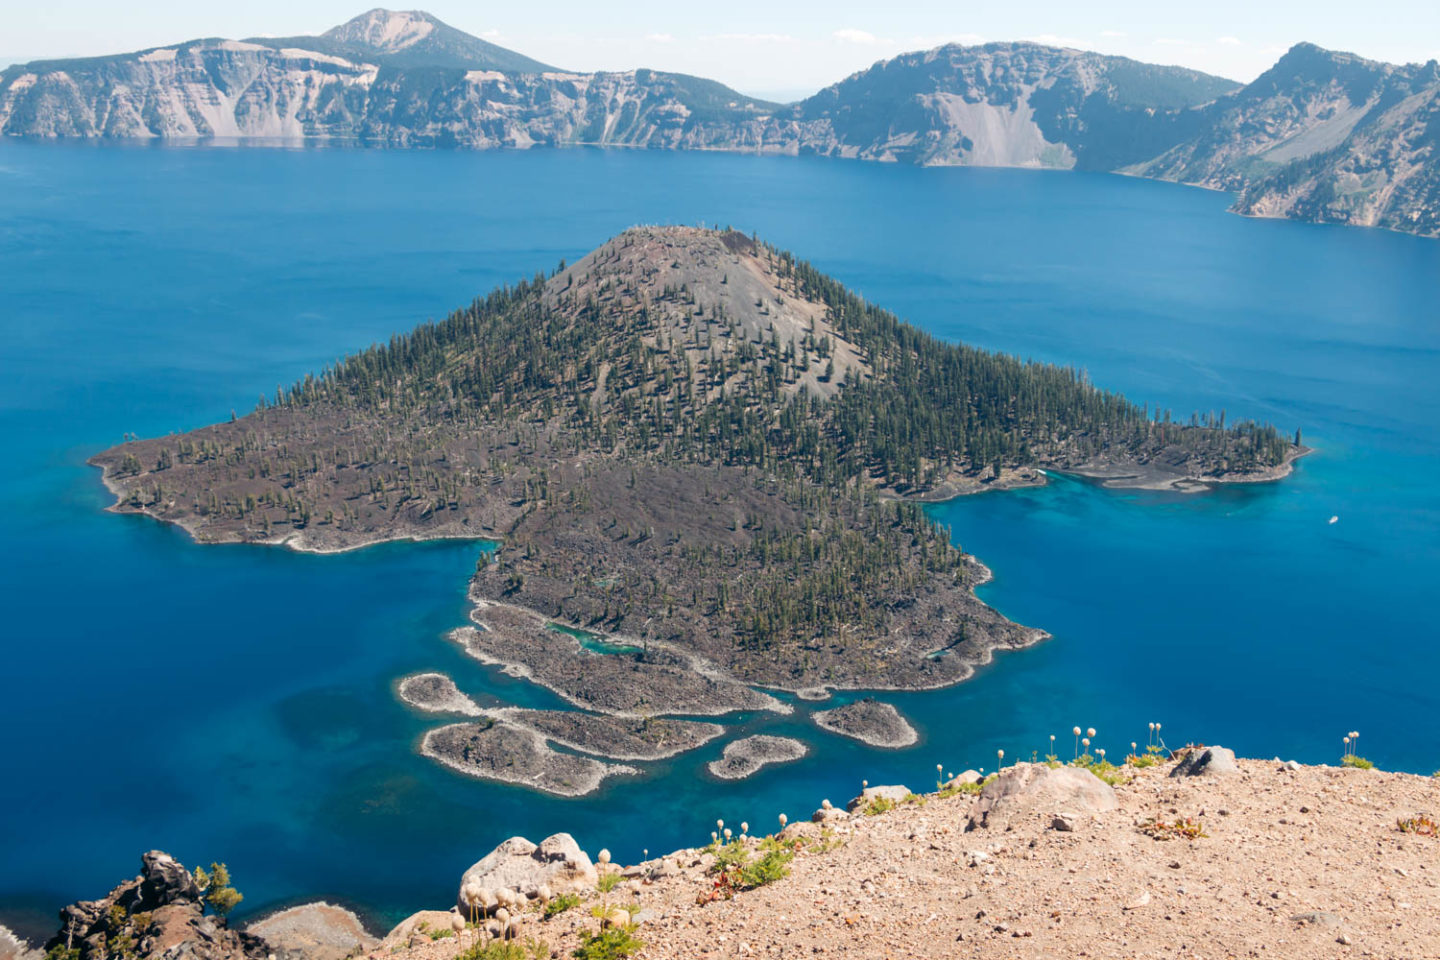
x=236, y=703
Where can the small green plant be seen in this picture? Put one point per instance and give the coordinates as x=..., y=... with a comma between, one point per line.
x=440, y=933
x=828, y=841
x=1351, y=756
x=877, y=806
x=1102, y=768
x=1420, y=825
x=1143, y=761
x=608, y=881
x=956, y=788
x=558, y=905
x=772, y=864
x=507, y=950
x=119, y=936
x=1185, y=828
x=61, y=952
x=612, y=943
x=216, y=890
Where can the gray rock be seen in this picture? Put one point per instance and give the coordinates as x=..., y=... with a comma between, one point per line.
x=315, y=931
x=894, y=793
x=1289, y=765
x=517, y=864
x=1064, y=822
x=1032, y=787
x=1206, y=762
x=963, y=779
x=1319, y=918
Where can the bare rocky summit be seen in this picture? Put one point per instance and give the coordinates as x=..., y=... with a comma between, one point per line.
x=1271, y=859
x=1298, y=863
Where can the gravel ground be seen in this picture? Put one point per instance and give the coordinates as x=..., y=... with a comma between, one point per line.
x=1295, y=864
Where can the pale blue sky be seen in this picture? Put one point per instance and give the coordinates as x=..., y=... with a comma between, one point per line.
x=767, y=47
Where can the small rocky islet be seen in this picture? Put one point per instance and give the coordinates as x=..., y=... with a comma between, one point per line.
x=747, y=756
x=870, y=721
x=436, y=693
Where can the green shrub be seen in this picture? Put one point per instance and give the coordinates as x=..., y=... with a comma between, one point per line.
x=772, y=864
x=877, y=806
x=507, y=950
x=560, y=904
x=1359, y=763
x=216, y=889
x=730, y=855
x=612, y=943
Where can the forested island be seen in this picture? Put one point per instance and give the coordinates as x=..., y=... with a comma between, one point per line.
x=691, y=443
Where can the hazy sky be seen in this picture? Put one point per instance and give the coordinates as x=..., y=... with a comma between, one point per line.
x=764, y=46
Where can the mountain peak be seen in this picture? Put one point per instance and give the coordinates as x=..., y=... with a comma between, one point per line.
x=385, y=30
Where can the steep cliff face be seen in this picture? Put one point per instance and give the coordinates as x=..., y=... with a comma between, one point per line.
x=1321, y=136
x=1005, y=104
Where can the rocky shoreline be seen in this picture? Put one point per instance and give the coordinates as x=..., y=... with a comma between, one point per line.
x=658, y=681
x=869, y=721
x=746, y=757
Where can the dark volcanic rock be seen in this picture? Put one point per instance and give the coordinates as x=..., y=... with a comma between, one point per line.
x=878, y=724
x=744, y=757
x=159, y=913
x=619, y=738
x=499, y=750
x=1206, y=762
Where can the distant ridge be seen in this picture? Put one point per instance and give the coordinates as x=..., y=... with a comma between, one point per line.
x=1321, y=136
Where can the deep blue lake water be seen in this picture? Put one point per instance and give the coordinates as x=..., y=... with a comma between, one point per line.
x=235, y=703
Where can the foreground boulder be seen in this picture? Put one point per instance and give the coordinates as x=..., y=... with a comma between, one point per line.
x=157, y=914
x=893, y=794
x=557, y=864
x=13, y=948
x=1206, y=762
x=1027, y=788
x=315, y=931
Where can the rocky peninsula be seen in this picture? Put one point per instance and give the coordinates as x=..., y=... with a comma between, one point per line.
x=1197, y=849
x=869, y=721
x=745, y=757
